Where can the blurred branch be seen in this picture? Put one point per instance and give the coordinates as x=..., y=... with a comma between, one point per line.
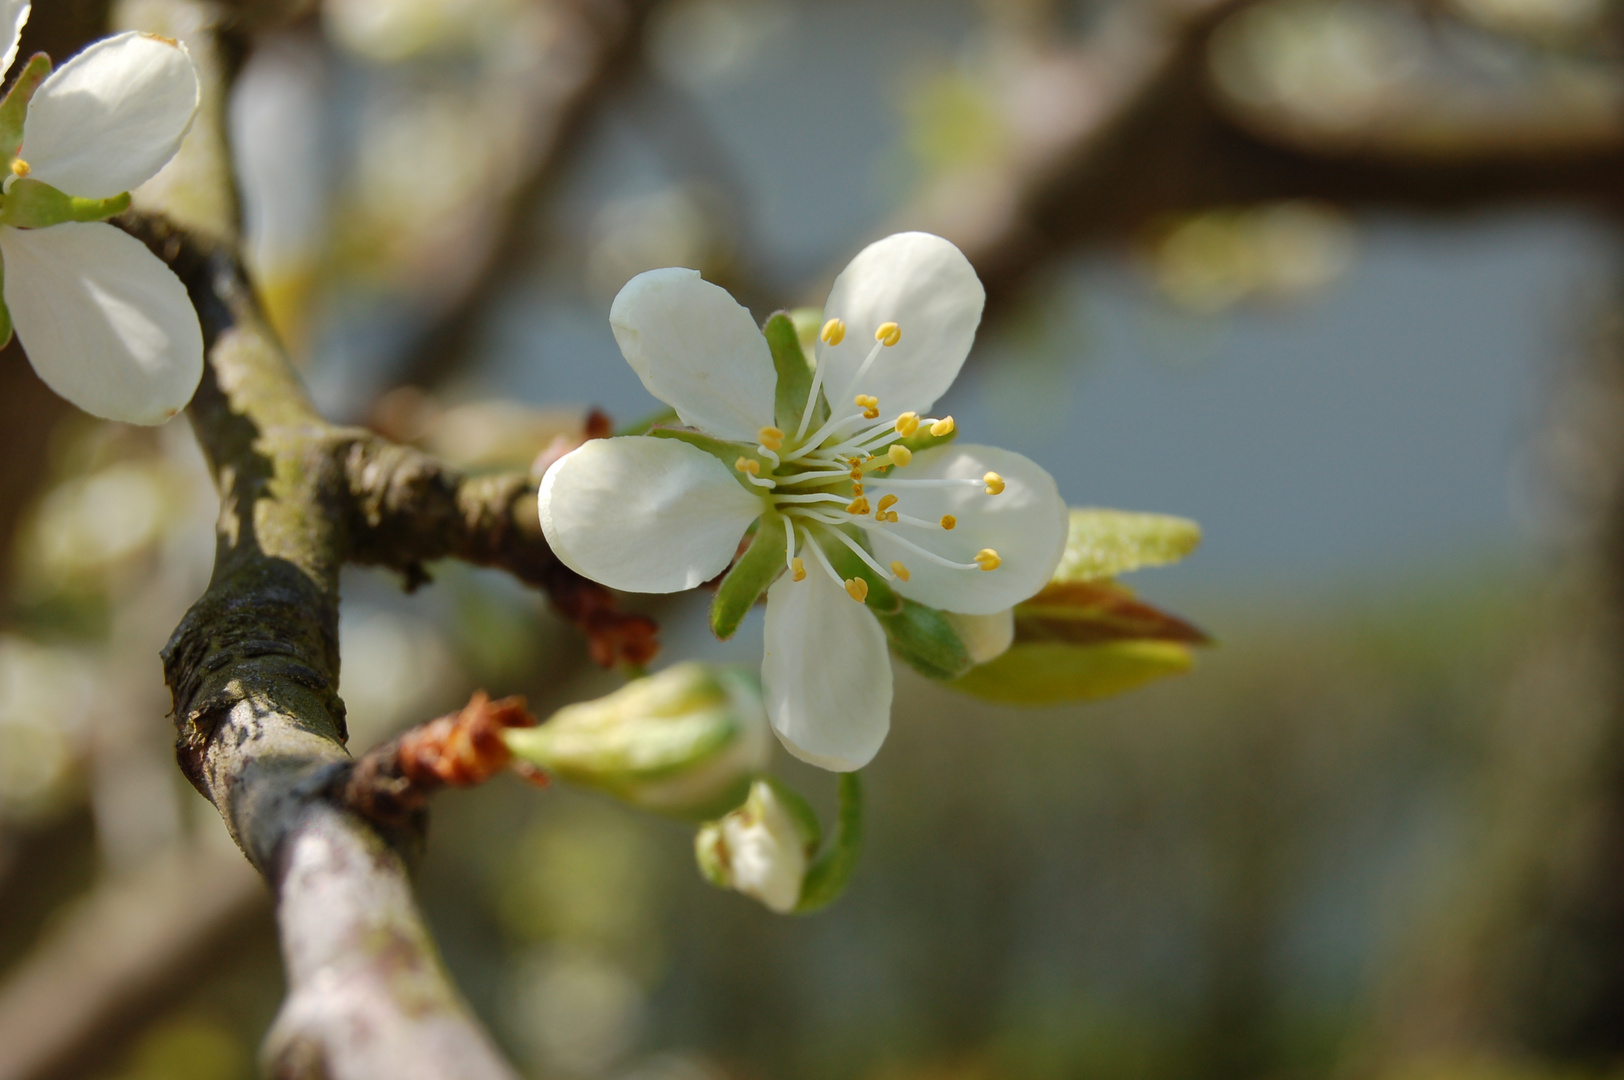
x=1124, y=131
x=119, y=957
x=592, y=51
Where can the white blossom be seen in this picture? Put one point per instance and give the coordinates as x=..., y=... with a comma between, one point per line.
x=965, y=529
x=104, y=322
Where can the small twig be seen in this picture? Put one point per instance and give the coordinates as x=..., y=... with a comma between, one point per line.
x=392, y=782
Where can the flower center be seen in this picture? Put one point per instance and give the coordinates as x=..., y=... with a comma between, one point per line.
x=818, y=482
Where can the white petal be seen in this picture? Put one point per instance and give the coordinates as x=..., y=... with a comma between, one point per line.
x=1025, y=524
x=644, y=514
x=13, y=16
x=696, y=350
x=111, y=117
x=105, y=323
x=928, y=288
x=826, y=673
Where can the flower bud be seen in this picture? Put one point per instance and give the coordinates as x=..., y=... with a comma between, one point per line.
x=684, y=741
x=763, y=848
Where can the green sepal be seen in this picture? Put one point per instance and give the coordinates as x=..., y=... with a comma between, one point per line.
x=1105, y=543
x=1051, y=672
x=882, y=599
x=924, y=440
x=924, y=638
x=728, y=453
x=831, y=872
x=33, y=204
x=750, y=576
x=794, y=374
x=664, y=418
x=14, y=109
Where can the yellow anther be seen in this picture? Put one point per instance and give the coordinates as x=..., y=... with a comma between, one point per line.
x=886, y=503
x=871, y=413
x=833, y=332
x=797, y=569
x=900, y=571
x=857, y=589
x=944, y=426
x=748, y=465
x=856, y=489
x=20, y=169
x=891, y=517
x=994, y=482
x=888, y=334
x=858, y=505
x=857, y=474
x=907, y=424
x=865, y=401
x=949, y=522
x=988, y=559
x=771, y=438
x=854, y=461
x=900, y=455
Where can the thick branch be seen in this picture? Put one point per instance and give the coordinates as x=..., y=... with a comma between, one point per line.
x=254, y=670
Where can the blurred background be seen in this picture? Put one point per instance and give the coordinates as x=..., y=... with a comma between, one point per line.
x=1340, y=279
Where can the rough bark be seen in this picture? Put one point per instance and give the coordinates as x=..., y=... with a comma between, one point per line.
x=254, y=672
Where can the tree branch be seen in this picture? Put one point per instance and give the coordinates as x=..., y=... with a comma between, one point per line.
x=254, y=669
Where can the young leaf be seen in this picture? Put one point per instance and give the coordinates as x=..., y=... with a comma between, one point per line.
x=1105, y=543
x=924, y=638
x=1089, y=613
x=752, y=572
x=831, y=873
x=1051, y=672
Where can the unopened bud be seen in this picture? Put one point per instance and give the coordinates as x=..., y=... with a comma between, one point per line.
x=683, y=741
x=763, y=848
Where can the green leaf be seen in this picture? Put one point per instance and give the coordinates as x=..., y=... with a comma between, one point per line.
x=1050, y=672
x=831, y=873
x=926, y=640
x=794, y=373
x=32, y=204
x=14, y=109
x=752, y=572
x=1105, y=543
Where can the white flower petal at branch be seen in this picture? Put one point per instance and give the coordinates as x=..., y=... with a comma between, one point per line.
x=13, y=17
x=107, y=120
x=928, y=288
x=826, y=673
x=1026, y=525
x=644, y=514
x=697, y=350
x=104, y=322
